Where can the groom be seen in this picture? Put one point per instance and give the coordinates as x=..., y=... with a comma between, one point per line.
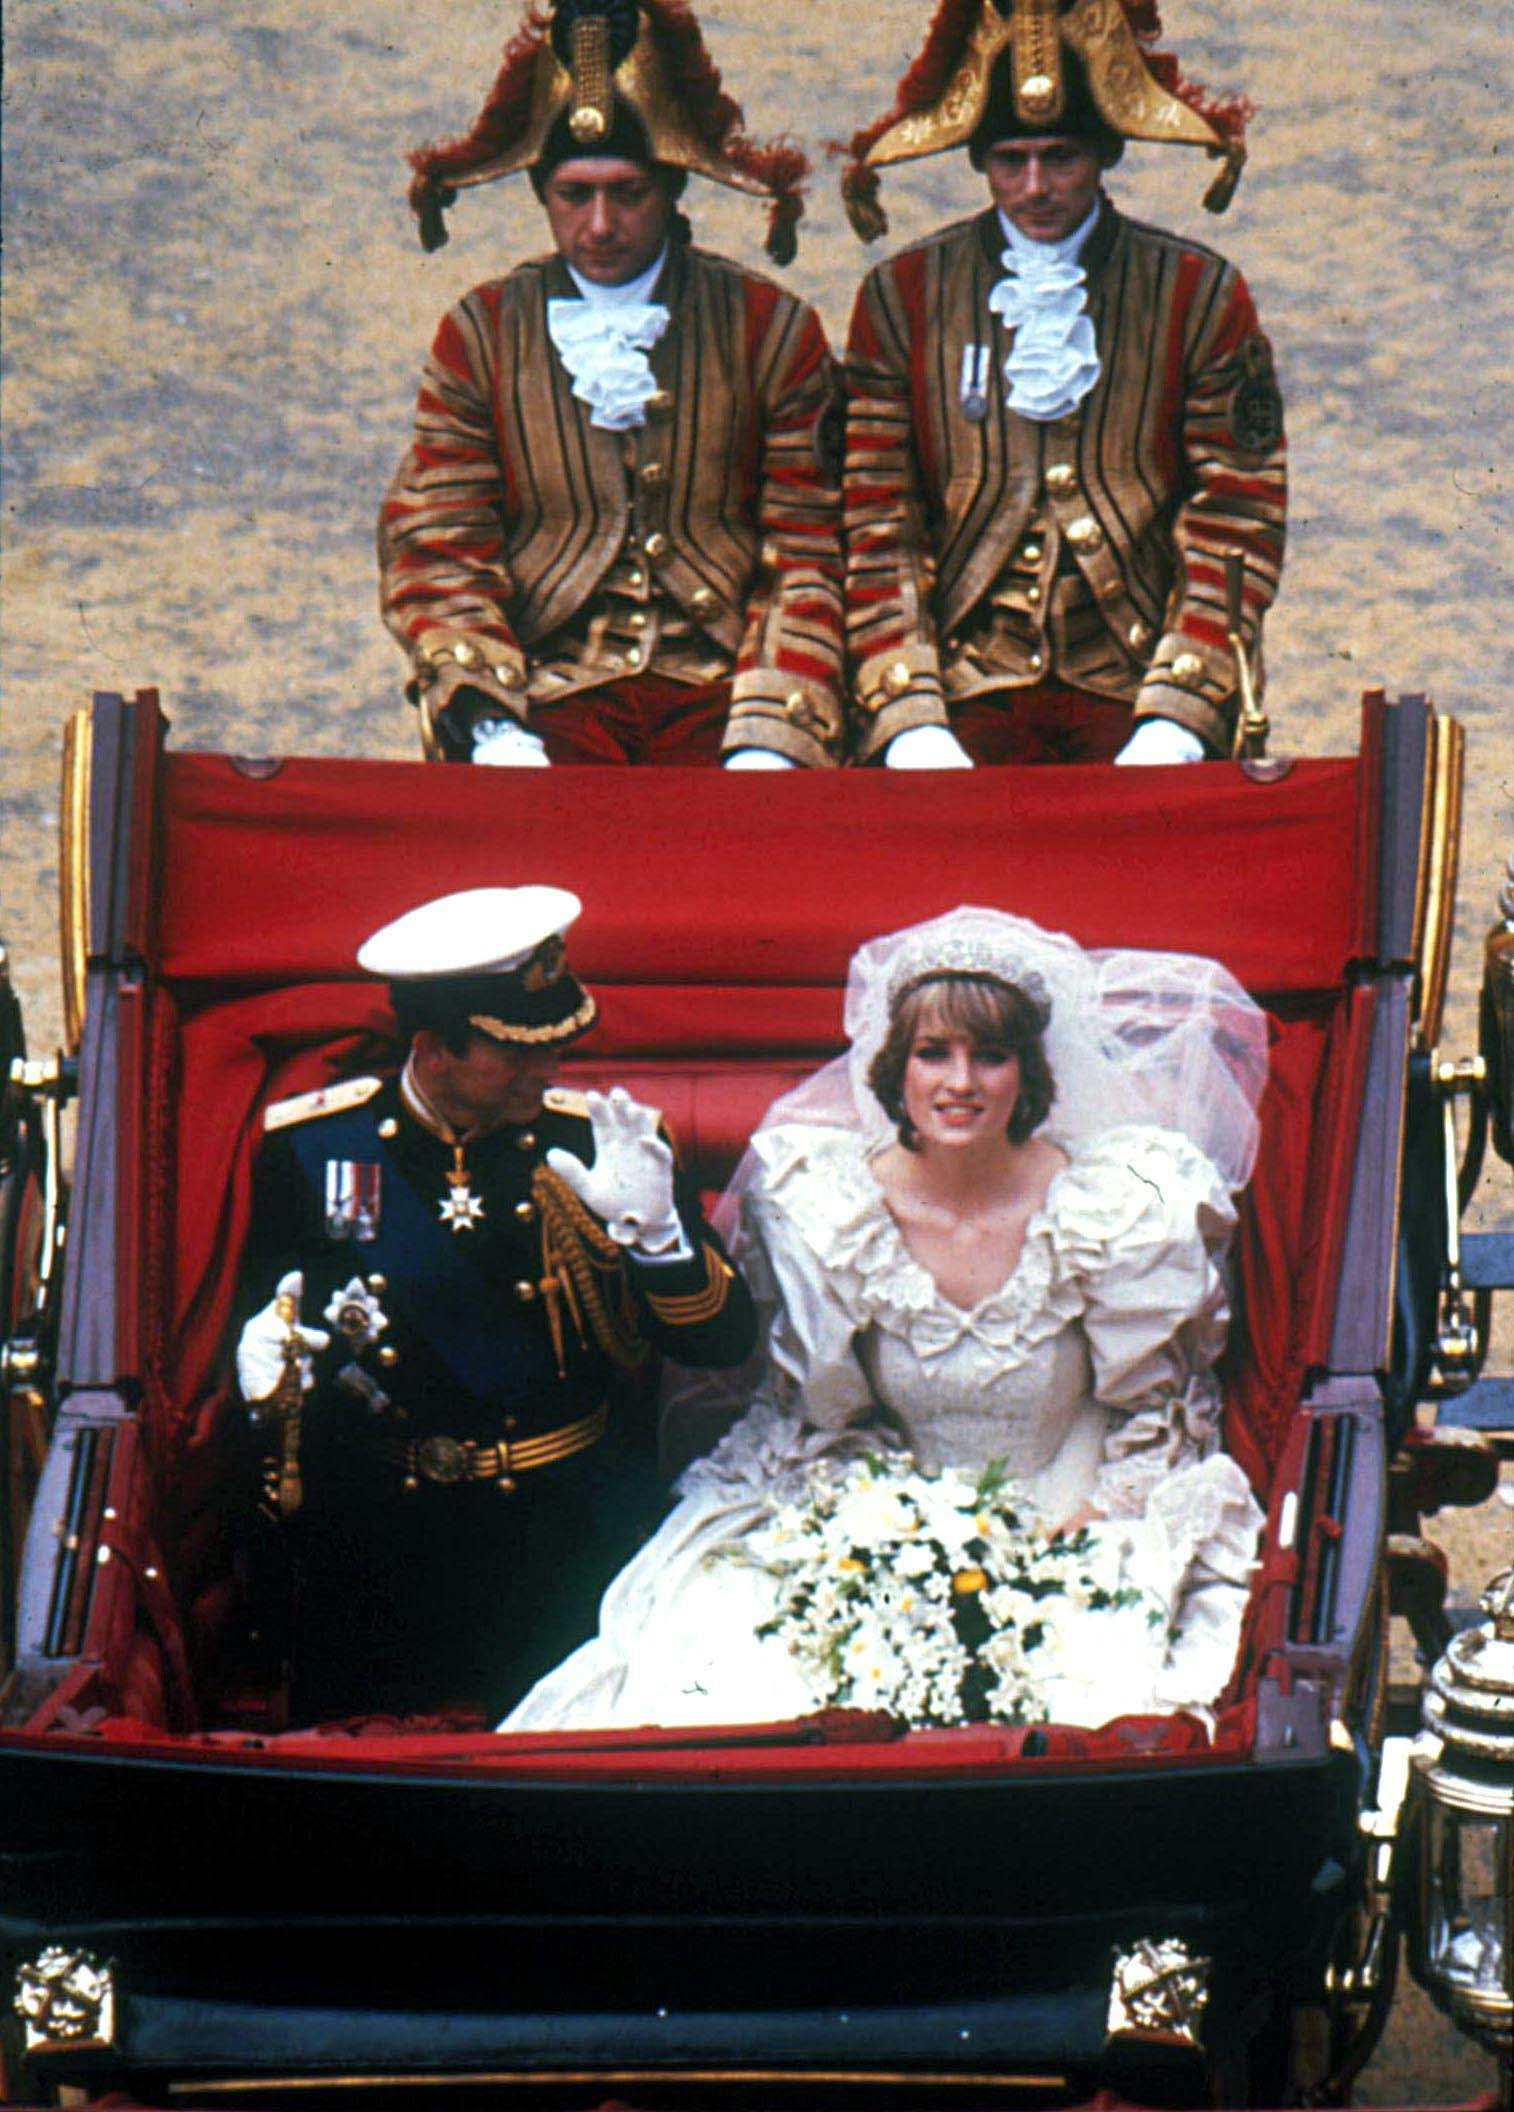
x=457, y=1270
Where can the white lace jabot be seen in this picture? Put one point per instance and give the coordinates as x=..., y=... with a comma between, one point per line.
x=1053, y=361
x=603, y=341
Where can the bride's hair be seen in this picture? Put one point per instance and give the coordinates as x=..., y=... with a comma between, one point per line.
x=994, y=1014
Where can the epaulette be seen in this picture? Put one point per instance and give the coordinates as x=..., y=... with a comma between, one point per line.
x=325, y=1100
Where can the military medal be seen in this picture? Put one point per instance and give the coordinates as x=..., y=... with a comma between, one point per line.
x=353, y=1199
x=973, y=393
x=460, y=1207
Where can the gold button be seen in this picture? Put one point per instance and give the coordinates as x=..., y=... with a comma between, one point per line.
x=1085, y=533
x=653, y=472
x=506, y=1484
x=1061, y=479
x=637, y=619
x=656, y=546
x=1138, y=637
x=702, y=598
x=659, y=403
x=512, y=1422
x=1036, y=663
x=1187, y=667
x=525, y=1291
x=768, y=555
x=896, y=679
x=636, y=579
x=388, y=1128
x=388, y=1357
x=635, y=658
x=526, y=1141
x=378, y=1285
x=506, y=675
x=526, y=1212
x=1031, y=552
x=1032, y=595
x=465, y=655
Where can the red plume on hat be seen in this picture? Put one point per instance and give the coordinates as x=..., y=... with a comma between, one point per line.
x=572, y=71
x=976, y=50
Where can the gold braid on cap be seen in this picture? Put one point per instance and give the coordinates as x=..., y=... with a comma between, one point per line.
x=1139, y=91
x=667, y=78
x=584, y=1276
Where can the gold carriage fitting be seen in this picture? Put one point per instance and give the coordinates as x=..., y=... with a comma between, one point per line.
x=1057, y=52
x=584, y=76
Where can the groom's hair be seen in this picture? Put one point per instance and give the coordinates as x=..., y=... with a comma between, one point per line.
x=995, y=1015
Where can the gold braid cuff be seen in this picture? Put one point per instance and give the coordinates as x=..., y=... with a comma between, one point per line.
x=584, y=1276
x=692, y=1307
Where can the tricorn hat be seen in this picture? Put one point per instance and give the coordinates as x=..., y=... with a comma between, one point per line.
x=491, y=958
x=1036, y=59
x=578, y=72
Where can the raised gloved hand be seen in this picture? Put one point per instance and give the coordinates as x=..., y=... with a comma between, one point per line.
x=506, y=744
x=630, y=1184
x=926, y=748
x=269, y=1334
x=1162, y=741
x=758, y=759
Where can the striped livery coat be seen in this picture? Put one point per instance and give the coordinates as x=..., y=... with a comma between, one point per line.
x=1175, y=458
x=510, y=508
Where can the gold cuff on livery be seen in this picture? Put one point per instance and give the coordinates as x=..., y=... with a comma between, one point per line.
x=886, y=677
x=476, y=656
x=690, y=1308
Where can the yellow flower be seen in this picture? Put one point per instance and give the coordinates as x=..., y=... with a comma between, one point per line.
x=967, y=1581
x=852, y=1565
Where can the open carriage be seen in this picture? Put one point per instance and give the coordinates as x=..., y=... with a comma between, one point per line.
x=198, y=1905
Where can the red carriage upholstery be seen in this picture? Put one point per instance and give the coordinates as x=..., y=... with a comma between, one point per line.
x=720, y=913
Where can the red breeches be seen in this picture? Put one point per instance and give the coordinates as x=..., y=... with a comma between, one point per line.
x=645, y=719
x=1042, y=724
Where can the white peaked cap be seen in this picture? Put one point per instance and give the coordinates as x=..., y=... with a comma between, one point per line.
x=478, y=931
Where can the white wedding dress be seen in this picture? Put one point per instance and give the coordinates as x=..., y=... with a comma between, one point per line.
x=1089, y=1374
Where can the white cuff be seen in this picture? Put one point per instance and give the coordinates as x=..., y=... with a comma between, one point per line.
x=1162, y=741
x=926, y=748
x=503, y=742
x=758, y=759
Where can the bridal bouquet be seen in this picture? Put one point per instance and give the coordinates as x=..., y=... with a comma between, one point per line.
x=935, y=1597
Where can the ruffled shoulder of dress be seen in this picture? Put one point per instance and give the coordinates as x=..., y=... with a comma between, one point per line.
x=816, y=1179
x=1138, y=1186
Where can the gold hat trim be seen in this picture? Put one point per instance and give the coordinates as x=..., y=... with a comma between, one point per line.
x=1127, y=93
x=577, y=1022
x=640, y=80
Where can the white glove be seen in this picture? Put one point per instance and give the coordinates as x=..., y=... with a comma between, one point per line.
x=356, y=1315
x=926, y=748
x=506, y=742
x=758, y=759
x=267, y=1335
x=1162, y=741
x=630, y=1184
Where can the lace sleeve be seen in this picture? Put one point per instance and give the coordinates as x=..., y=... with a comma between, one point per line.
x=1146, y=1225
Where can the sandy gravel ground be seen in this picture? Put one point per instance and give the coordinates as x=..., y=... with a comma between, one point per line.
x=215, y=309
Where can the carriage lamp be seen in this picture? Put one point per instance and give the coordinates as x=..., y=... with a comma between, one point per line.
x=1464, y=1771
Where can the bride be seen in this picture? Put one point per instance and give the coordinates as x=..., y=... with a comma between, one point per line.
x=993, y=1234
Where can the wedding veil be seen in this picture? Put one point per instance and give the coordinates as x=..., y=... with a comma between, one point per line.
x=1164, y=1038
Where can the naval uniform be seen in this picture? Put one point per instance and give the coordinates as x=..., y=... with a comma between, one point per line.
x=473, y=1476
